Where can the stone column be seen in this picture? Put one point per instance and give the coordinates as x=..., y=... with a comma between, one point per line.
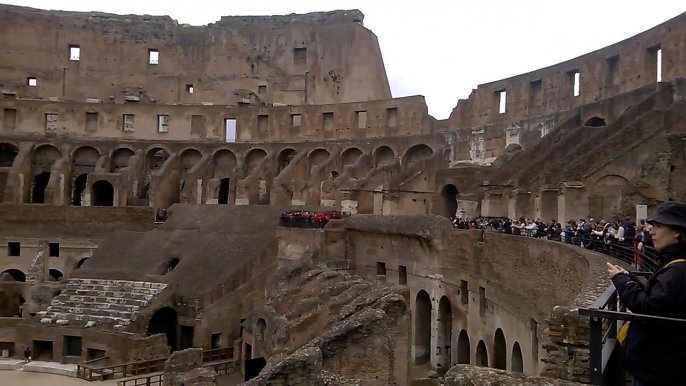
x=572, y=203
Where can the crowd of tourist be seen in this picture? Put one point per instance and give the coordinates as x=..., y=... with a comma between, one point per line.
x=308, y=219
x=623, y=239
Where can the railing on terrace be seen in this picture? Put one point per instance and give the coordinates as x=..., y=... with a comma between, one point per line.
x=606, y=317
x=90, y=372
x=220, y=364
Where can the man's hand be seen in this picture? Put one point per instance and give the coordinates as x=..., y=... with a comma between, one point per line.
x=615, y=270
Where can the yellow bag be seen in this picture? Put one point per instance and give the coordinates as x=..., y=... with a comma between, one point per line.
x=624, y=330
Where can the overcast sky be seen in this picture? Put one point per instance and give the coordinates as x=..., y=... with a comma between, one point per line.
x=441, y=49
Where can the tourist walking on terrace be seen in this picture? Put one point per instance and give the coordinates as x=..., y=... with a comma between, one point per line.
x=27, y=355
x=656, y=353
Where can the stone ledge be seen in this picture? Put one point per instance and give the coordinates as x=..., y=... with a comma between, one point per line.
x=10, y=364
x=466, y=375
x=51, y=368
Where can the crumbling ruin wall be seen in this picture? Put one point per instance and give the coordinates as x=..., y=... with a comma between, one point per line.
x=185, y=368
x=465, y=375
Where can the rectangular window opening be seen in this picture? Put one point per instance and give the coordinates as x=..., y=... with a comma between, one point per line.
x=327, y=121
x=380, y=269
x=262, y=122
x=464, y=291
x=577, y=82
x=402, y=275
x=13, y=249
x=91, y=121
x=54, y=249
x=482, y=301
x=296, y=120
x=9, y=119
x=74, y=52
x=361, y=117
x=230, y=129
x=153, y=56
x=392, y=117
x=51, y=122
x=612, y=69
x=262, y=89
x=502, y=101
x=659, y=64
x=535, y=88
x=190, y=89
x=300, y=56
x=32, y=82
x=216, y=341
x=163, y=123
x=127, y=123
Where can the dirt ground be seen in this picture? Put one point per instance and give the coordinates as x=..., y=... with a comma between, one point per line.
x=21, y=378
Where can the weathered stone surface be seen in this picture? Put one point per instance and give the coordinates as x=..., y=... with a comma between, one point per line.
x=465, y=375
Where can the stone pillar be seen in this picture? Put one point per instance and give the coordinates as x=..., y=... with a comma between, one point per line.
x=545, y=203
x=494, y=204
x=40, y=267
x=571, y=201
x=520, y=204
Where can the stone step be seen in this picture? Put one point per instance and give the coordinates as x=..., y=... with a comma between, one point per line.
x=82, y=319
x=89, y=311
x=107, y=288
x=94, y=306
x=73, y=300
x=108, y=294
x=121, y=283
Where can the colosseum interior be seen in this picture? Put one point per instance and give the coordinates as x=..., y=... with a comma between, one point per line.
x=139, y=158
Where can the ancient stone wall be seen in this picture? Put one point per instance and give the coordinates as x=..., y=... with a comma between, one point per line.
x=294, y=59
x=605, y=73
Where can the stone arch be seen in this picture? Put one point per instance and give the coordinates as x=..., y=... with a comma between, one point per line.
x=383, y=155
x=285, y=157
x=55, y=274
x=261, y=332
x=517, y=359
x=449, y=200
x=120, y=158
x=444, y=337
x=499, y=350
x=415, y=154
x=224, y=161
x=43, y=157
x=189, y=158
x=422, y=328
x=85, y=157
x=317, y=157
x=103, y=193
x=164, y=321
x=254, y=159
x=595, y=122
x=81, y=262
x=606, y=195
x=15, y=274
x=80, y=183
x=464, y=348
x=350, y=155
x=155, y=158
x=8, y=152
x=481, y=354
x=38, y=186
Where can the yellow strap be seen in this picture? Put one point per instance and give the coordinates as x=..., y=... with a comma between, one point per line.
x=675, y=261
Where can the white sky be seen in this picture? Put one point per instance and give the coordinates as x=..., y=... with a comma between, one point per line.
x=440, y=49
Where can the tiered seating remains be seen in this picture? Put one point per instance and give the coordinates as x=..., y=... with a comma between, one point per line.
x=307, y=219
x=98, y=302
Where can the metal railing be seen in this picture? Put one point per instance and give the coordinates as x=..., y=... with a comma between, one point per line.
x=90, y=372
x=606, y=317
x=219, y=366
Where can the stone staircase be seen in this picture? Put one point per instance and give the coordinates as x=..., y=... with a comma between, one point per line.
x=99, y=302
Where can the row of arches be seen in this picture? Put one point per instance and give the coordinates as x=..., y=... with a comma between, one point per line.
x=444, y=340
x=19, y=275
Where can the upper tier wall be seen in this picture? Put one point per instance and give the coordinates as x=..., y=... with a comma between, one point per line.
x=316, y=58
x=605, y=73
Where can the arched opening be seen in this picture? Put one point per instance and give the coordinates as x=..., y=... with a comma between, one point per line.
x=254, y=159
x=84, y=160
x=517, y=360
x=81, y=262
x=173, y=262
x=595, y=122
x=55, y=274
x=383, y=155
x=499, y=350
x=40, y=183
x=422, y=328
x=285, y=158
x=43, y=158
x=15, y=274
x=317, y=157
x=444, y=338
x=350, y=156
x=449, y=195
x=261, y=333
x=155, y=158
x=103, y=193
x=8, y=153
x=481, y=354
x=189, y=158
x=464, y=349
x=415, y=154
x=224, y=190
x=333, y=175
x=224, y=162
x=79, y=187
x=163, y=321
x=120, y=159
